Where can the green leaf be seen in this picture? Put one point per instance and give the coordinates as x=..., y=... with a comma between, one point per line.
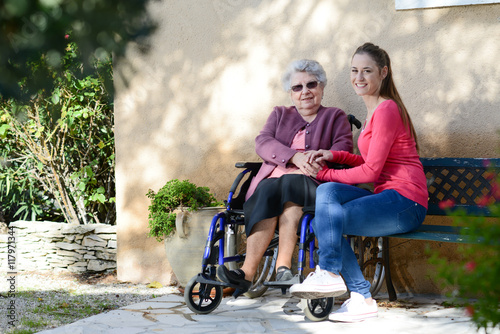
x=3, y=130
x=8, y=185
x=21, y=209
x=81, y=186
x=56, y=97
x=99, y=198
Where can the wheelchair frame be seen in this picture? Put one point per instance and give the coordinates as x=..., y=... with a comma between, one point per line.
x=204, y=292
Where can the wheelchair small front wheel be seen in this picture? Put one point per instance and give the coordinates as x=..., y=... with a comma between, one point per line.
x=202, y=298
x=319, y=309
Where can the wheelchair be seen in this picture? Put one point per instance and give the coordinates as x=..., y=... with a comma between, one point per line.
x=225, y=246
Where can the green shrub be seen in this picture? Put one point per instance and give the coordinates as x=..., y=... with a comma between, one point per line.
x=58, y=158
x=173, y=195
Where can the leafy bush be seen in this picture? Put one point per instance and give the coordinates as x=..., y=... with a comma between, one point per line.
x=19, y=196
x=58, y=157
x=478, y=273
x=173, y=195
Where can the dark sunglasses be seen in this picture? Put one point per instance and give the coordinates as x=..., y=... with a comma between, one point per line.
x=309, y=85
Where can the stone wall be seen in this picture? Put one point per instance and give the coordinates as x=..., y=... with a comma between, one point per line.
x=60, y=247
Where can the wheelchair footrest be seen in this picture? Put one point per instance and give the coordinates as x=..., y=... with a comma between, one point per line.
x=283, y=284
x=207, y=280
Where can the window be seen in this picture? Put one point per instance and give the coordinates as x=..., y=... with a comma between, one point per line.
x=412, y=4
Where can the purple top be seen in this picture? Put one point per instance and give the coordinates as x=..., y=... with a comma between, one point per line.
x=330, y=130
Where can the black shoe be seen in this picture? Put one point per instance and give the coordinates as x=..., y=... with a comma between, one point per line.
x=283, y=274
x=235, y=277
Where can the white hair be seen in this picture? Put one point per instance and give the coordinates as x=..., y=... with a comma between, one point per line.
x=303, y=65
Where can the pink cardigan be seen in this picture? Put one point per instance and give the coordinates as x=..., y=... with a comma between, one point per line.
x=389, y=158
x=330, y=130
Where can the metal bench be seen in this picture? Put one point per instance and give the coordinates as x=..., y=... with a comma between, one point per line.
x=462, y=180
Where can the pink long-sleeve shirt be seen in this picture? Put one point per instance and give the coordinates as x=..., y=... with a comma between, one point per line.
x=389, y=157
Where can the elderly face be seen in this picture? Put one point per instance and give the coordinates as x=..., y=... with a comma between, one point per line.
x=307, y=100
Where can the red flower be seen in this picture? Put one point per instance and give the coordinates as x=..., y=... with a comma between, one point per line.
x=470, y=266
x=66, y=36
x=469, y=310
x=485, y=201
x=447, y=204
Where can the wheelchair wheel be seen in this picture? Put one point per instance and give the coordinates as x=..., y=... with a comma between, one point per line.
x=202, y=298
x=319, y=309
x=264, y=273
x=368, y=250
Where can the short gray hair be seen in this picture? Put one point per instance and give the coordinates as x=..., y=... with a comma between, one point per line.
x=303, y=65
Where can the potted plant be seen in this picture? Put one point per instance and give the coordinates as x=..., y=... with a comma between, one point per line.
x=180, y=214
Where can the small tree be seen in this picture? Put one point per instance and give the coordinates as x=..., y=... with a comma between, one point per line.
x=61, y=142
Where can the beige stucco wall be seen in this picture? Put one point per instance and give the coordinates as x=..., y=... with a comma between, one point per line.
x=192, y=106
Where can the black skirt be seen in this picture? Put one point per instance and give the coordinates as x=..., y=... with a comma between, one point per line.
x=271, y=195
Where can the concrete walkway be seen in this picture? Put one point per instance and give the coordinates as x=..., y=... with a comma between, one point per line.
x=272, y=313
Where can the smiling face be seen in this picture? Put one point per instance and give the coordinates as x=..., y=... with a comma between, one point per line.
x=366, y=76
x=307, y=101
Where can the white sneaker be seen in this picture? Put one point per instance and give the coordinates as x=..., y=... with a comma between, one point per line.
x=355, y=309
x=319, y=284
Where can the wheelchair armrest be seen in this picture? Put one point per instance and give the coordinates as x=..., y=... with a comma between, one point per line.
x=249, y=165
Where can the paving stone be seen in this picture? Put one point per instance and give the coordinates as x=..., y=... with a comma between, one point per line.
x=263, y=315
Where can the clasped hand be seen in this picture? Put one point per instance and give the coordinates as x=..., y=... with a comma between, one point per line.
x=311, y=162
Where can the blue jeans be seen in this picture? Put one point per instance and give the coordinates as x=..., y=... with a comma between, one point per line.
x=343, y=209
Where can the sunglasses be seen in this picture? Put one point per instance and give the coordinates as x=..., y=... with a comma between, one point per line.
x=309, y=85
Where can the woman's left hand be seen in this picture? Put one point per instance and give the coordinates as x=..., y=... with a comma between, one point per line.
x=305, y=164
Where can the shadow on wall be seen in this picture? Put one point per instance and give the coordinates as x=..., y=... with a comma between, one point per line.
x=192, y=107
x=196, y=102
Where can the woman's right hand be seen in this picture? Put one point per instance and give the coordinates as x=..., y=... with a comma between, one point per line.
x=320, y=157
x=305, y=165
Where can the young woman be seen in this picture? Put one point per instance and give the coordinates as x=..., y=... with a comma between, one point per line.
x=389, y=158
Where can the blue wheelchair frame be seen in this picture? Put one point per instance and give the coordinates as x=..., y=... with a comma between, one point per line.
x=209, y=292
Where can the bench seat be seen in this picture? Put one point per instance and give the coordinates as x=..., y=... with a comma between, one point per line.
x=437, y=233
x=464, y=181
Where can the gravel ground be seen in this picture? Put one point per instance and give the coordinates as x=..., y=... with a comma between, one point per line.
x=47, y=300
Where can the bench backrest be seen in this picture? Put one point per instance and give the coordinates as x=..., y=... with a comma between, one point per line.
x=463, y=180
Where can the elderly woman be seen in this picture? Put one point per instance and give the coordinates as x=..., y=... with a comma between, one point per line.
x=282, y=189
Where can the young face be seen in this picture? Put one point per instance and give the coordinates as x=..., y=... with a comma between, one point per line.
x=366, y=77
x=306, y=100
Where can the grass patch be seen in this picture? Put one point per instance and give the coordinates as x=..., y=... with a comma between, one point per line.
x=45, y=300
x=50, y=309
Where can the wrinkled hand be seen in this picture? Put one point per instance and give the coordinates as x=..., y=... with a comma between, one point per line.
x=320, y=157
x=304, y=162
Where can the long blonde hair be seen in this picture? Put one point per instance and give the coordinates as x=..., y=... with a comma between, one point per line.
x=388, y=89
